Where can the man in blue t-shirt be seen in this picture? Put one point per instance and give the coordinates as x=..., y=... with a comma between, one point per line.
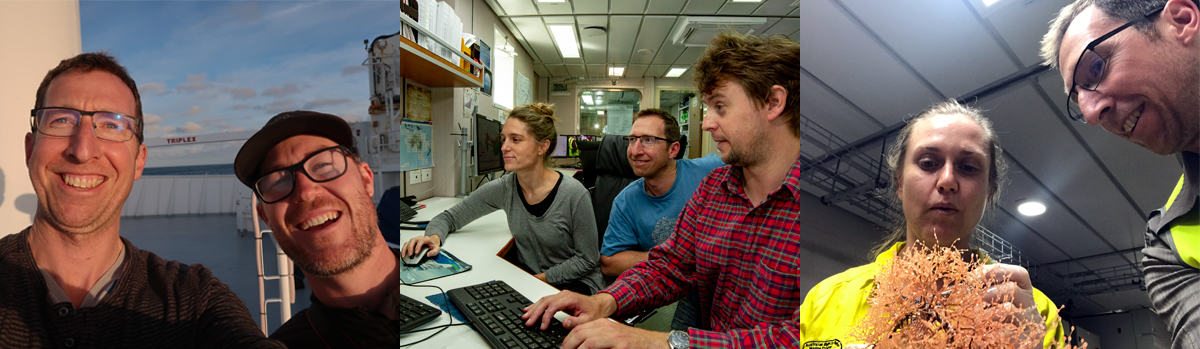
x=666, y=185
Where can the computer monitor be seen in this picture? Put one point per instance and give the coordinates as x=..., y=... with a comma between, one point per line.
x=573, y=144
x=487, y=146
x=560, y=147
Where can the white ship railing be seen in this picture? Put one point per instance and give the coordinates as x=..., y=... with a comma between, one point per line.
x=287, y=286
x=184, y=195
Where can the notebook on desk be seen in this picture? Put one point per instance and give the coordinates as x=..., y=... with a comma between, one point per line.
x=445, y=264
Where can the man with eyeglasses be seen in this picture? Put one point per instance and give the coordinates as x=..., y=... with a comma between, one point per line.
x=737, y=240
x=315, y=194
x=665, y=186
x=654, y=200
x=70, y=280
x=1133, y=67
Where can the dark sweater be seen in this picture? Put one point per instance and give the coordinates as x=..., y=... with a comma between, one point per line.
x=156, y=304
x=364, y=328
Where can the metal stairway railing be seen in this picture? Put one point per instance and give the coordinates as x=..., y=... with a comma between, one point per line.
x=287, y=286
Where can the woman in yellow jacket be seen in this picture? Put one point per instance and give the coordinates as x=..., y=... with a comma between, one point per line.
x=947, y=168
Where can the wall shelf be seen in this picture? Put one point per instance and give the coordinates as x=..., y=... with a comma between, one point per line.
x=413, y=62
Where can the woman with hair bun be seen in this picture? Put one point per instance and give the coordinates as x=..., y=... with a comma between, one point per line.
x=550, y=215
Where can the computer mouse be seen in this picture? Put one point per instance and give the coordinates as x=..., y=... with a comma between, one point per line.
x=416, y=259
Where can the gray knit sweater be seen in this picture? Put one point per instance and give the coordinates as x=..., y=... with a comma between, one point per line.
x=563, y=242
x=155, y=304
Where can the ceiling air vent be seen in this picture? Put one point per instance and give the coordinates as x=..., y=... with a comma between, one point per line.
x=697, y=31
x=559, y=89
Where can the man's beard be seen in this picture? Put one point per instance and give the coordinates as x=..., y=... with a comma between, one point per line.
x=320, y=263
x=753, y=154
x=1183, y=124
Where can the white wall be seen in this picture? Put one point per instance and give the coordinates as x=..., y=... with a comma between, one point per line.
x=477, y=19
x=28, y=49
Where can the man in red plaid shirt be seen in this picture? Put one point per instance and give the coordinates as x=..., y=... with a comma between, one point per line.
x=737, y=240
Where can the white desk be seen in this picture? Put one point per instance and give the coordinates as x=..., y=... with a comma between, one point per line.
x=477, y=245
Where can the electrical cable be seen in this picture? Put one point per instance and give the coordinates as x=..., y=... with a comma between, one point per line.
x=435, y=328
x=481, y=181
x=442, y=327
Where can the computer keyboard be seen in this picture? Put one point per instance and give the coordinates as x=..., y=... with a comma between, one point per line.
x=413, y=313
x=495, y=310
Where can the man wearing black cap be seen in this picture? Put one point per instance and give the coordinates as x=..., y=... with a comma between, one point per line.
x=315, y=195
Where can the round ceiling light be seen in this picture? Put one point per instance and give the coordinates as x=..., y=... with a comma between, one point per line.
x=1031, y=208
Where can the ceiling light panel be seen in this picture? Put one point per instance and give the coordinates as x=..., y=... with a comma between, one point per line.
x=1031, y=208
x=564, y=37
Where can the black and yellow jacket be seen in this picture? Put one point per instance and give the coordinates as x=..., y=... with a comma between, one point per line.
x=1171, y=258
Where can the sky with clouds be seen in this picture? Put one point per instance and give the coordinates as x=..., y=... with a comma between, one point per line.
x=224, y=66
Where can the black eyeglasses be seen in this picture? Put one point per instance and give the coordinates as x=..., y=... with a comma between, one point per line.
x=1090, y=69
x=64, y=122
x=322, y=166
x=647, y=141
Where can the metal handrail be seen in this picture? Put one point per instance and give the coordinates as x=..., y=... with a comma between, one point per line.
x=287, y=286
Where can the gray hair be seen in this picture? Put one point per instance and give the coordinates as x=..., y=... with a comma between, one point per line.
x=897, y=153
x=1122, y=10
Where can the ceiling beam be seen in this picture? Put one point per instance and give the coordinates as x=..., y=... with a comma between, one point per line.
x=1106, y=254
x=981, y=92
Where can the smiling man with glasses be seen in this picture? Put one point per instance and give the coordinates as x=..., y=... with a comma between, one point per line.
x=1133, y=67
x=315, y=194
x=665, y=186
x=70, y=279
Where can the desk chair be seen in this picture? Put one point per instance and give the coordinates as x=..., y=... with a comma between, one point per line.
x=587, y=163
x=393, y=211
x=683, y=142
x=613, y=174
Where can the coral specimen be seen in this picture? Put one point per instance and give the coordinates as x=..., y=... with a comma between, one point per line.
x=933, y=298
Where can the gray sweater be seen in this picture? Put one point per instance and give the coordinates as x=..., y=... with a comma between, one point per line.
x=563, y=242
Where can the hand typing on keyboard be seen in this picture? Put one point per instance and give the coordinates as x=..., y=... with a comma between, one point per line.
x=589, y=322
x=581, y=308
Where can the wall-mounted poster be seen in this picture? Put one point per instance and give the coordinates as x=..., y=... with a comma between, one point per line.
x=524, y=93
x=470, y=103
x=417, y=106
x=485, y=55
